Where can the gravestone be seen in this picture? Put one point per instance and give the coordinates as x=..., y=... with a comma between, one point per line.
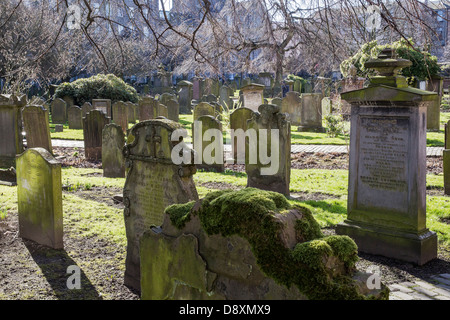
x=75, y=116
x=238, y=120
x=434, y=115
x=11, y=141
x=173, y=110
x=298, y=85
x=120, y=112
x=162, y=111
x=203, y=109
x=277, y=101
x=59, y=128
x=39, y=198
x=326, y=107
x=386, y=211
x=209, y=98
x=86, y=107
x=252, y=96
x=153, y=182
x=209, y=146
x=113, y=141
x=165, y=97
x=93, y=125
x=185, y=96
x=104, y=105
x=59, y=111
x=224, y=98
x=292, y=105
x=446, y=155
x=215, y=87
x=36, y=126
x=147, y=108
x=131, y=112
x=69, y=101
x=311, y=113
x=197, y=90
x=269, y=169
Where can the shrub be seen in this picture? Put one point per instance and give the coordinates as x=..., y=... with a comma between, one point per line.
x=97, y=87
x=334, y=124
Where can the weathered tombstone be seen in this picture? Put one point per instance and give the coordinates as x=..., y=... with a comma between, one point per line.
x=120, y=112
x=434, y=115
x=162, y=111
x=446, y=165
x=387, y=172
x=148, y=108
x=252, y=96
x=269, y=169
x=113, y=141
x=104, y=105
x=36, y=126
x=215, y=87
x=209, y=98
x=238, y=120
x=209, y=146
x=165, y=97
x=59, y=128
x=153, y=182
x=266, y=79
x=69, y=101
x=292, y=105
x=224, y=98
x=326, y=107
x=185, y=96
x=311, y=113
x=203, y=109
x=11, y=141
x=197, y=91
x=173, y=110
x=131, y=112
x=39, y=198
x=86, y=107
x=59, y=111
x=277, y=101
x=93, y=125
x=75, y=117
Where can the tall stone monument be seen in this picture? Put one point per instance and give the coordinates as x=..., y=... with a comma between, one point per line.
x=153, y=182
x=387, y=170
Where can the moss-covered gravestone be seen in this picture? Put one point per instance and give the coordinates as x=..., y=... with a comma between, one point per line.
x=120, y=112
x=59, y=111
x=203, y=109
x=248, y=245
x=387, y=172
x=93, y=125
x=39, y=194
x=11, y=140
x=447, y=159
x=113, y=141
x=36, y=126
x=292, y=105
x=268, y=150
x=75, y=117
x=208, y=143
x=238, y=124
x=153, y=182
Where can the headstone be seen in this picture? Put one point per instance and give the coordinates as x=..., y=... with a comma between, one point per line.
x=39, y=198
x=386, y=211
x=104, y=105
x=86, y=107
x=215, y=87
x=209, y=98
x=326, y=107
x=173, y=110
x=162, y=111
x=203, y=109
x=131, y=112
x=292, y=105
x=59, y=128
x=59, y=111
x=69, y=101
x=269, y=169
x=185, y=96
x=148, y=108
x=224, y=98
x=93, y=125
x=197, y=91
x=120, y=112
x=113, y=141
x=434, y=115
x=311, y=113
x=36, y=126
x=208, y=146
x=165, y=97
x=252, y=96
x=277, y=101
x=75, y=116
x=298, y=85
x=153, y=183
x=238, y=120
x=266, y=79
x=11, y=141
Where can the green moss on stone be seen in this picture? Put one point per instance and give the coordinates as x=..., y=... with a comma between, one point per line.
x=180, y=213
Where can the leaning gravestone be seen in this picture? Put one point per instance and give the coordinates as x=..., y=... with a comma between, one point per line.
x=252, y=96
x=120, y=112
x=93, y=125
x=113, y=141
x=75, y=117
x=447, y=159
x=59, y=111
x=238, y=120
x=11, y=140
x=153, y=182
x=173, y=110
x=292, y=105
x=203, y=109
x=35, y=120
x=387, y=172
x=39, y=194
x=104, y=105
x=269, y=169
x=311, y=113
x=208, y=143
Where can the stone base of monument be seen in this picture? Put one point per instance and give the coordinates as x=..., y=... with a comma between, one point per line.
x=446, y=167
x=311, y=129
x=418, y=248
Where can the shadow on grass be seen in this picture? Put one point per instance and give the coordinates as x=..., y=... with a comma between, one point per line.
x=332, y=213
x=53, y=264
